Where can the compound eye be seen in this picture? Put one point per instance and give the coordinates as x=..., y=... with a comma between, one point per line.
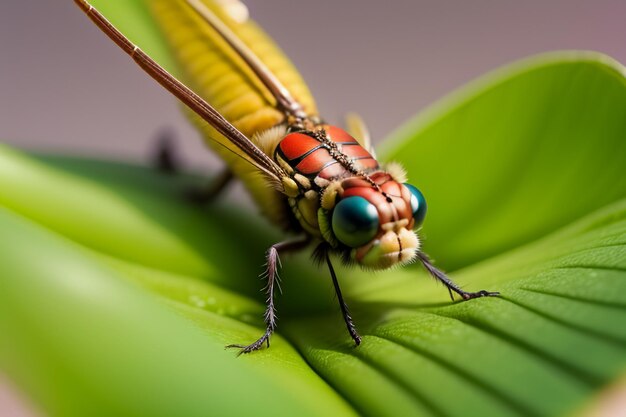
x=418, y=204
x=355, y=221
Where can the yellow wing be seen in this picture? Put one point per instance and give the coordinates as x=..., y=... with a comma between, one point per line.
x=215, y=72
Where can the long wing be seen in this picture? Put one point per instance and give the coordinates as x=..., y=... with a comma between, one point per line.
x=186, y=95
x=219, y=74
x=284, y=100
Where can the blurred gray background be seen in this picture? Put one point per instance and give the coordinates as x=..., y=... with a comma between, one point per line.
x=66, y=87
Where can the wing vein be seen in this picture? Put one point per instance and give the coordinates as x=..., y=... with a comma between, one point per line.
x=185, y=94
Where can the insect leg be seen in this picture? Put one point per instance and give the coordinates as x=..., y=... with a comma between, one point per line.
x=204, y=194
x=165, y=158
x=167, y=161
x=342, y=304
x=451, y=285
x=273, y=262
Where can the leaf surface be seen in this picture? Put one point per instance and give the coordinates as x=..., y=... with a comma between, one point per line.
x=117, y=297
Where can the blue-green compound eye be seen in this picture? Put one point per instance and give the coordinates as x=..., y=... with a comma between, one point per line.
x=355, y=221
x=418, y=204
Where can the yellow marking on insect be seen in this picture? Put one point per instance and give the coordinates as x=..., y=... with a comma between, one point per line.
x=397, y=172
x=284, y=165
x=235, y=9
x=329, y=197
x=290, y=188
x=302, y=180
x=269, y=139
x=392, y=249
x=214, y=71
x=307, y=209
x=394, y=225
x=323, y=219
x=321, y=182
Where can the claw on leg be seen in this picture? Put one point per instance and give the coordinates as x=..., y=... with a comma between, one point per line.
x=254, y=346
x=451, y=285
x=273, y=262
x=478, y=294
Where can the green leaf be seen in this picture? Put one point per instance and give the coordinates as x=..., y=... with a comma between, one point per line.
x=551, y=340
x=82, y=339
x=117, y=296
x=517, y=154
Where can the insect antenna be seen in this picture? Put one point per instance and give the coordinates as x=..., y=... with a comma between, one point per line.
x=184, y=94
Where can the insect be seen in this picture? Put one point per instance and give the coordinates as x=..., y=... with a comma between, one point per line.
x=308, y=176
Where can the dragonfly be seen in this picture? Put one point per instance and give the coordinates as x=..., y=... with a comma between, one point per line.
x=318, y=181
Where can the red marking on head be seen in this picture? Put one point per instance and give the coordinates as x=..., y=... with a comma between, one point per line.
x=367, y=164
x=314, y=157
x=380, y=177
x=355, y=182
x=401, y=197
x=294, y=145
x=339, y=135
x=355, y=151
x=314, y=162
x=332, y=171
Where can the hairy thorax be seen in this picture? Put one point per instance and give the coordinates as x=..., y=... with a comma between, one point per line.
x=326, y=166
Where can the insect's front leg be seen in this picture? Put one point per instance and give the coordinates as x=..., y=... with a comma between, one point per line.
x=342, y=304
x=451, y=285
x=271, y=272
x=205, y=193
x=165, y=157
x=167, y=161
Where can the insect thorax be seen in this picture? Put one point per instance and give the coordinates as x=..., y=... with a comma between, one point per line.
x=316, y=162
